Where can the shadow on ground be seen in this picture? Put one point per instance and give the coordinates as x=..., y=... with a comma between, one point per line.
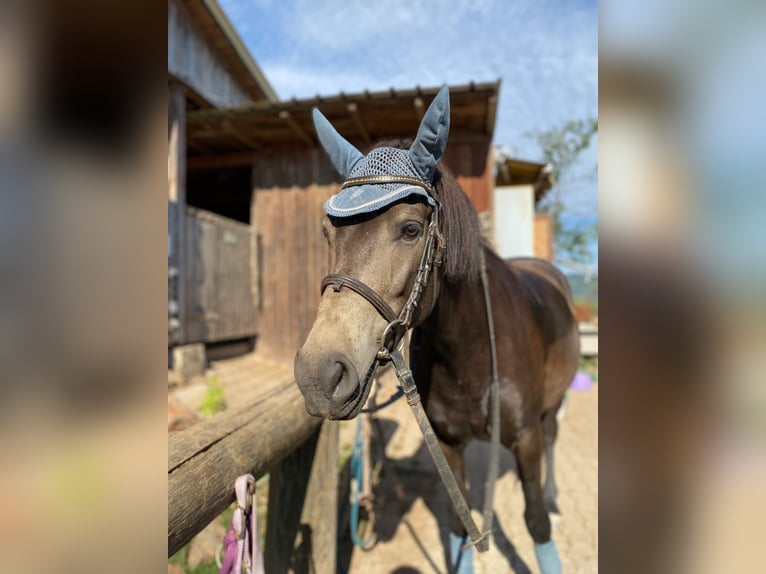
x=404, y=481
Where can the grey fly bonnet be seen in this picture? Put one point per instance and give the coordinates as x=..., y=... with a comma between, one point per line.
x=386, y=174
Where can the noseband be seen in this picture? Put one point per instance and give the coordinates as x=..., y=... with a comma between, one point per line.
x=433, y=253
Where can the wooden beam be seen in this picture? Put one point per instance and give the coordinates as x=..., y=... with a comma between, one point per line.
x=237, y=134
x=190, y=93
x=177, y=207
x=194, y=144
x=295, y=127
x=489, y=127
x=303, y=498
x=468, y=137
x=205, y=460
x=217, y=161
x=420, y=108
x=353, y=110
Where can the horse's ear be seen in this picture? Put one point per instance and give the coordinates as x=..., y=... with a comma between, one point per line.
x=342, y=154
x=431, y=140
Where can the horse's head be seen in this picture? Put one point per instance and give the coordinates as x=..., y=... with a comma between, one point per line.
x=378, y=230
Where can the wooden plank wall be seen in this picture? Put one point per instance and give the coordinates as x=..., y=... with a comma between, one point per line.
x=543, y=242
x=290, y=186
x=468, y=162
x=220, y=303
x=192, y=60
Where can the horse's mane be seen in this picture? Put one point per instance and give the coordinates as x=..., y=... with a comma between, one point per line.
x=459, y=222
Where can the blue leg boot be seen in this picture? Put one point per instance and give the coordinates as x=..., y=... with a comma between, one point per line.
x=548, y=558
x=462, y=561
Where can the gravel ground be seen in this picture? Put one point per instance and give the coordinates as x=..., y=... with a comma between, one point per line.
x=412, y=530
x=411, y=503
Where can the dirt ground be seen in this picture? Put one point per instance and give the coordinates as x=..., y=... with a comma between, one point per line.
x=412, y=530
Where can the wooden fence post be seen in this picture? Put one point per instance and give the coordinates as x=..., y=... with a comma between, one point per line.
x=302, y=524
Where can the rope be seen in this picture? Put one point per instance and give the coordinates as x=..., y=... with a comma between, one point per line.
x=357, y=476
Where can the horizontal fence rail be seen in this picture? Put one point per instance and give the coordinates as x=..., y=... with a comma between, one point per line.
x=205, y=460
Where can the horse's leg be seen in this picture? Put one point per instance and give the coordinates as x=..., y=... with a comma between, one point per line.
x=550, y=432
x=461, y=562
x=528, y=451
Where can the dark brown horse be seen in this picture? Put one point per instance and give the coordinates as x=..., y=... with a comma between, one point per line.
x=536, y=332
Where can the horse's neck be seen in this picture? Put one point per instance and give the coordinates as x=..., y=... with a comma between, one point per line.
x=460, y=313
x=460, y=305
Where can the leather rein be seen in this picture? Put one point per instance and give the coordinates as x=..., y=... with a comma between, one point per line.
x=390, y=350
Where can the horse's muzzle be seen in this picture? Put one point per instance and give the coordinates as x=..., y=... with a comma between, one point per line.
x=329, y=384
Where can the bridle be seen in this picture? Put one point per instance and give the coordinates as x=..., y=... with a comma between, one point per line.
x=433, y=253
x=390, y=350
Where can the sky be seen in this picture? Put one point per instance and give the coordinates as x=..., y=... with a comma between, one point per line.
x=544, y=52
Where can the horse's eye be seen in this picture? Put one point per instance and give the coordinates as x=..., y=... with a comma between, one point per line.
x=325, y=233
x=411, y=230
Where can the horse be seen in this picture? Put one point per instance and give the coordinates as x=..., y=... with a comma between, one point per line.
x=378, y=228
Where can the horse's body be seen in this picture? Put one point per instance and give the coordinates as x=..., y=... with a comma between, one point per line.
x=535, y=328
x=538, y=349
x=536, y=341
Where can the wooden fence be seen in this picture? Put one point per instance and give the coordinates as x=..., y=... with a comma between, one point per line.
x=275, y=435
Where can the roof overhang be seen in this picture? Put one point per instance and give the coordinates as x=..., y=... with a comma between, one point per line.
x=519, y=172
x=362, y=118
x=221, y=35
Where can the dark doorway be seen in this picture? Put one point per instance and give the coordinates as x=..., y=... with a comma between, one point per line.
x=226, y=192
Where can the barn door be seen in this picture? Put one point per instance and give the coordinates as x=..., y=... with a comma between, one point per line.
x=219, y=278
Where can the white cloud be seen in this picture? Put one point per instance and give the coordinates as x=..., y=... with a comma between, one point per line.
x=544, y=52
x=295, y=80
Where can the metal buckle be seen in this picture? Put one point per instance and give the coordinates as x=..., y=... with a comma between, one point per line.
x=239, y=523
x=392, y=334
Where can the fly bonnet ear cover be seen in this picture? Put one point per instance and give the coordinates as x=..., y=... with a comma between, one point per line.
x=386, y=174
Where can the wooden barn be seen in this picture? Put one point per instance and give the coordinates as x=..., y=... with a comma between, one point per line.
x=247, y=181
x=210, y=295
x=270, y=174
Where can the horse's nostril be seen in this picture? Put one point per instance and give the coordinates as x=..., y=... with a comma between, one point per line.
x=339, y=369
x=344, y=380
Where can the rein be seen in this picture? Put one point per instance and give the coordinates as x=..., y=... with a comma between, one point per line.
x=390, y=350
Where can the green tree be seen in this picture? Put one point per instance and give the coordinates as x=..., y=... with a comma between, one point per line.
x=561, y=148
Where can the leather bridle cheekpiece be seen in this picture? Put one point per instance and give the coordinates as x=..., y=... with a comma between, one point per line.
x=433, y=253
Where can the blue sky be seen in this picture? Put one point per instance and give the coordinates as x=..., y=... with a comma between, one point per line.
x=545, y=53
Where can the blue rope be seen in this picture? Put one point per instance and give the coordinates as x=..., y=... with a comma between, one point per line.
x=357, y=468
